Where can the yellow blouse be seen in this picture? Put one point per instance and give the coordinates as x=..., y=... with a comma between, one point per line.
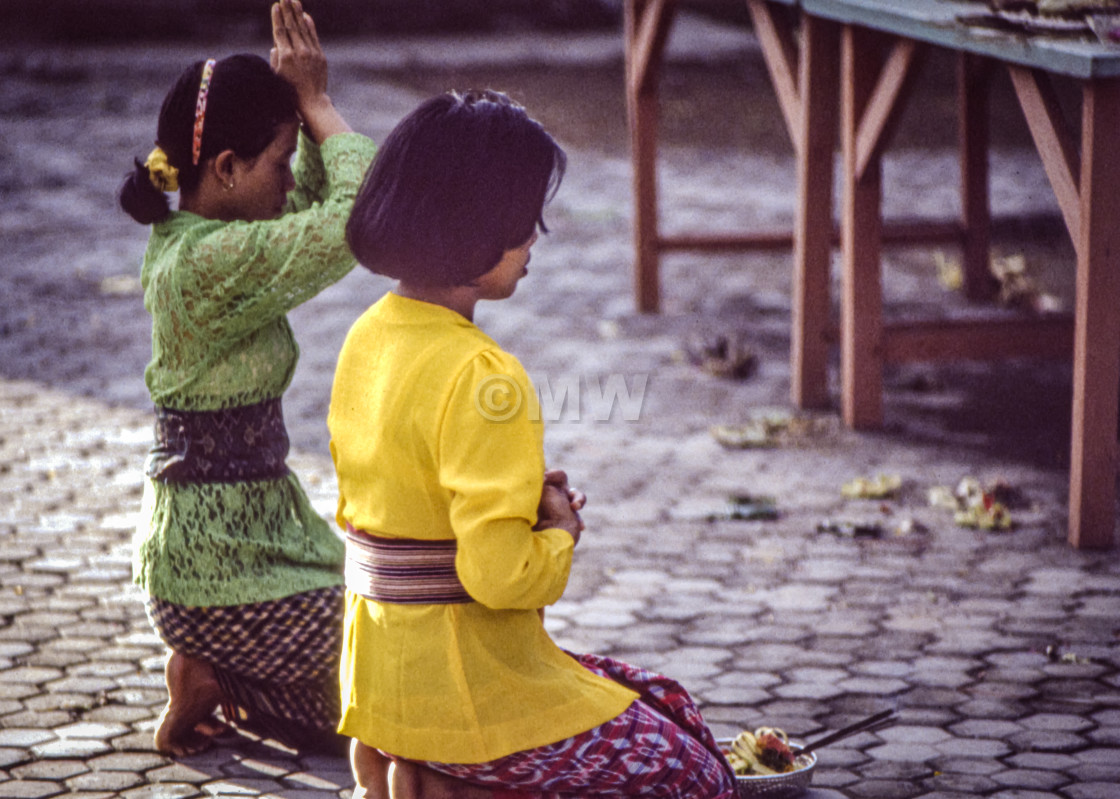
x=417, y=457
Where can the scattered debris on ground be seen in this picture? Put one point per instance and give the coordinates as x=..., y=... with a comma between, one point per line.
x=883, y=486
x=1055, y=654
x=748, y=507
x=756, y=434
x=1015, y=288
x=871, y=528
x=851, y=528
x=722, y=355
x=975, y=505
x=949, y=272
x=776, y=429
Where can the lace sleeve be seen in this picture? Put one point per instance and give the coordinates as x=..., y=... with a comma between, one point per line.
x=244, y=274
x=310, y=175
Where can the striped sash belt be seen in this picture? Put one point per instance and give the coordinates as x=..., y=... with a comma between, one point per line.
x=403, y=571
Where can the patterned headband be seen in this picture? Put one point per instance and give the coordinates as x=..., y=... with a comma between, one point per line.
x=200, y=109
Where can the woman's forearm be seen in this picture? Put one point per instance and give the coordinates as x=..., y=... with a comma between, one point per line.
x=322, y=119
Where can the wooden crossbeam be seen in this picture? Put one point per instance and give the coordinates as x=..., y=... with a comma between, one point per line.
x=1054, y=139
x=981, y=340
x=776, y=39
x=884, y=106
x=902, y=231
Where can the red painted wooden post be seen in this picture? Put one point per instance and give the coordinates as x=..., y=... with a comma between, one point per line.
x=1096, y=360
x=646, y=24
x=861, y=231
x=973, y=90
x=813, y=227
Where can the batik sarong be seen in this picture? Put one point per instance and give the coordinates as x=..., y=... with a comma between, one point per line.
x=276, y=661
x=658, y=747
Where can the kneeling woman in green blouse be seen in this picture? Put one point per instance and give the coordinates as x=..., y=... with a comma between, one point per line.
x=244, y=578
x=457, y=536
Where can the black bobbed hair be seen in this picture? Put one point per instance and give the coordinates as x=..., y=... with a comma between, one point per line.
x=459, y=181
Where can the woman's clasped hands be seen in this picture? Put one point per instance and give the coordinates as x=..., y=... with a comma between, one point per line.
x=560, y=505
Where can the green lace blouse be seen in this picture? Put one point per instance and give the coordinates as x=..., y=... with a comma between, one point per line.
x=218, y=293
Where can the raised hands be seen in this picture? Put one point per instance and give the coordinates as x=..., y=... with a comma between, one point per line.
x=298, y=58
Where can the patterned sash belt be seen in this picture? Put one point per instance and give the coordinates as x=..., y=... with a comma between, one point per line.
x=403, y=571
x=227, y=446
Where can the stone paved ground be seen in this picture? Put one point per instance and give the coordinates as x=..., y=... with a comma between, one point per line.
x=1000, y=651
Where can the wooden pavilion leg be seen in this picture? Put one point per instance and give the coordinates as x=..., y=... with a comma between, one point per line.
x=812, y=235
x=647, y=280
x=1096, y=363
x=973, y=89
x=646, y=27
x=861, y=231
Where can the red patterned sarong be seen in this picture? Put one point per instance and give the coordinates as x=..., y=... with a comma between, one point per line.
x=658, y=747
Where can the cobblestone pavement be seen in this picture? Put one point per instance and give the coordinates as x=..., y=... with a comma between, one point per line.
x=1000, y=651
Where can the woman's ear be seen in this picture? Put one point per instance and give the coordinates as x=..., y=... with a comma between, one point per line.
x=223, y=167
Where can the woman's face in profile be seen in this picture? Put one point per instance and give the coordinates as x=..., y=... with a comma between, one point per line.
x=261, y=185
x=501, y=281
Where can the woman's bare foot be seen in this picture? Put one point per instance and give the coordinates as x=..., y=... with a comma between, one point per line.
x=186, y=724
x=412, y=781
x=211, y=727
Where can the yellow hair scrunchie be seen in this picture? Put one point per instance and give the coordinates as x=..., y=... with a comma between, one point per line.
x=160, y=172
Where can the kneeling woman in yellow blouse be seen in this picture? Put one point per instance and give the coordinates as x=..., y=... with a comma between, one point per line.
x=456, y=536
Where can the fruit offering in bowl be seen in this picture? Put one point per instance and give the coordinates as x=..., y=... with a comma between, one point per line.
x=767, y=764
x=764, y=751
